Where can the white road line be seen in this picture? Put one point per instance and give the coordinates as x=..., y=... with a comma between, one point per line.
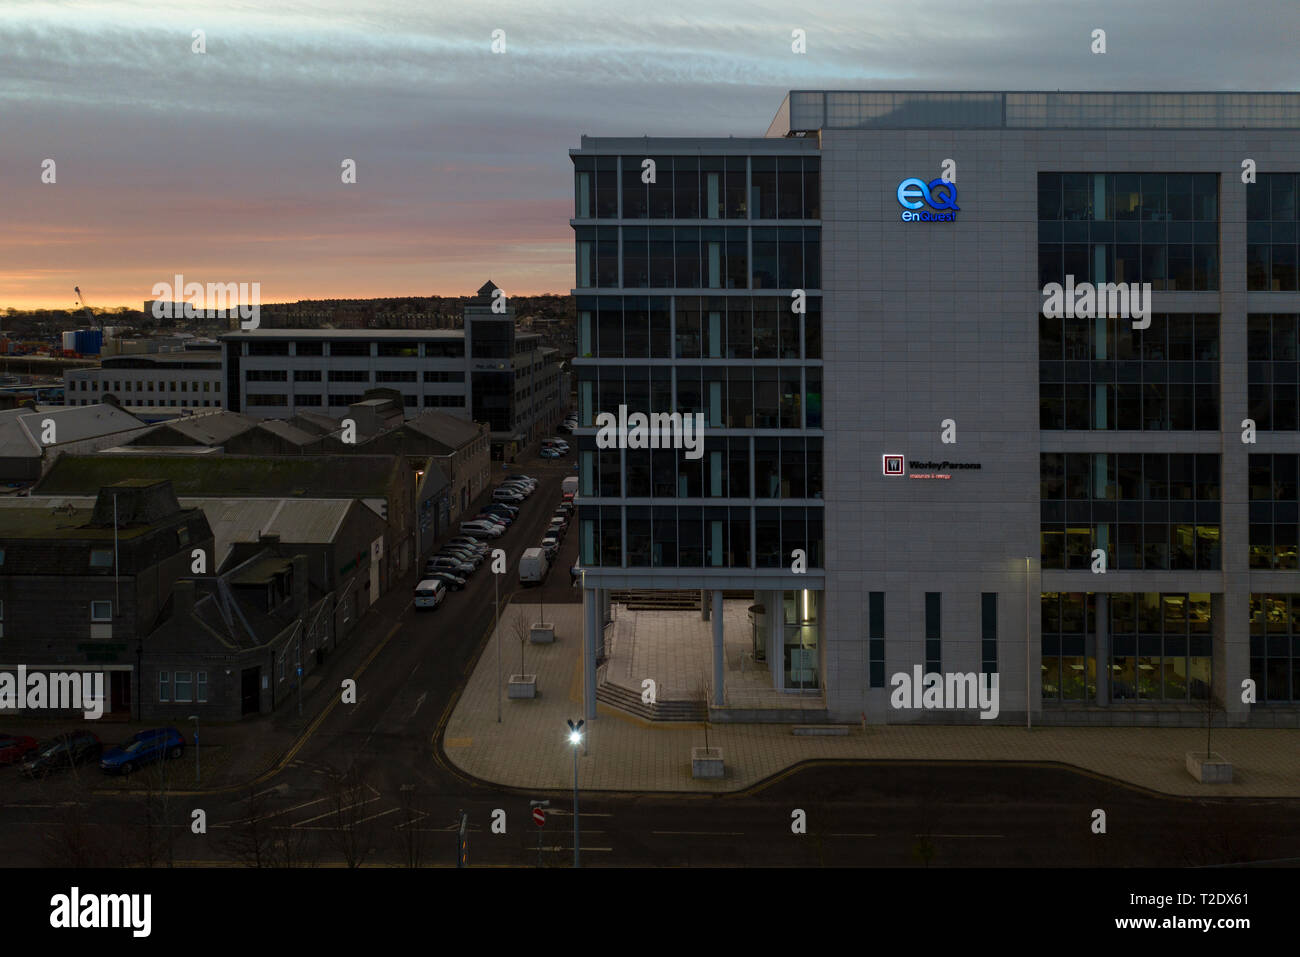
x=417, y=706
x=392, y=810
x=336, y=811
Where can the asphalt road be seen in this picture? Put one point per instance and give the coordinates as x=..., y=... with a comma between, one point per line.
x=369, y=786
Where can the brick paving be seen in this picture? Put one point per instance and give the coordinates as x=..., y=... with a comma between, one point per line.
x=529, y=749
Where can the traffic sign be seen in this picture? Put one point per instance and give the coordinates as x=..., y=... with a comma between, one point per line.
x=539, y=816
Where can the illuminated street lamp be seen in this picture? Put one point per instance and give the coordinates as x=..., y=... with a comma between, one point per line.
x=575, y=739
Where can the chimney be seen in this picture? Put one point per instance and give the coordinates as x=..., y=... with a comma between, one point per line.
x=300, y=592
x=183, y=599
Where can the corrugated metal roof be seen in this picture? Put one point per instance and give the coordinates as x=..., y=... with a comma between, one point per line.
x=20, y=429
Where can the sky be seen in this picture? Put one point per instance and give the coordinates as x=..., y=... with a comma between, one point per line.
x=226, y=166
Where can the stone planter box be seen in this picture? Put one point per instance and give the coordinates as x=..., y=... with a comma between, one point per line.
x=706, y=763
x=1216, y=769
x=522, y=686
x=541, y=633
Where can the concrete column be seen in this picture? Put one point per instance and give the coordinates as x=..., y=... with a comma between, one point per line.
x=719, y=661
x=606, y=612
x=591, y=633
x=704, y=604
x=776, y=638
x=1103, y=648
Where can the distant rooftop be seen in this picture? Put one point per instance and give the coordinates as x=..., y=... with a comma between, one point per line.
x=346, y=334
x=805, y=111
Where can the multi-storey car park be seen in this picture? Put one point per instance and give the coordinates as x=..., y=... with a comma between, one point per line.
x=1075, y=504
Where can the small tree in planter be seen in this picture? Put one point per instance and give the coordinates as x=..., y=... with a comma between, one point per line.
x=706, y=762
x=522, y=685
x=542, y=631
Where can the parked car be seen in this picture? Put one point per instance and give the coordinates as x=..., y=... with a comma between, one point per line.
x=551, y=540
x=551, y=551
x=469, y=555
x=429, y=593
x=469, y=540
x=451, y=580
x=525, y=478
x=62, y=751
x=551, y=453
x=15, y=747
x=445, y=563
x=477, y=527
x=521, y=488
x=558, y=527
x=565, y=508
x=495, y=518
x=143, y=748
x=503, y=508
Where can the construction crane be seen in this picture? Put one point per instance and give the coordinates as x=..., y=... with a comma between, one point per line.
x=90, y=316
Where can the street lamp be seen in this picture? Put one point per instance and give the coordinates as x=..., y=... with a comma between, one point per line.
x=575, y=739
x=419, y=474
x=195, y=719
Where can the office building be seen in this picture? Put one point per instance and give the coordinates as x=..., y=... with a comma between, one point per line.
x=1075, y=504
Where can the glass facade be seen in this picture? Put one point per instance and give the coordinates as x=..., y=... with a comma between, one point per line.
x=1271, y=237
x=1160, y=646
x=1273, y=511
x=748, y=363
x=1157, y=228
x=1275, y=647
x=1144, y=511
x=1102, y=374
x=1274, y=371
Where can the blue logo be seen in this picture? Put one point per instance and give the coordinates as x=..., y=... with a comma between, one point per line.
x=940, y=196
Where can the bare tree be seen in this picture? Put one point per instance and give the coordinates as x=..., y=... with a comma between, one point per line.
x=249, y=841
x=350, y=830
x=523, y=632
x=412, y=839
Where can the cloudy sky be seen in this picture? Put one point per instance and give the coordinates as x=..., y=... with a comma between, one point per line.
x=225, y=166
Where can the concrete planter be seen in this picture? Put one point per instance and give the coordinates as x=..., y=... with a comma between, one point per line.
x=1215, y=769
x=522, y=686
x=541, y=633
x=706, y=763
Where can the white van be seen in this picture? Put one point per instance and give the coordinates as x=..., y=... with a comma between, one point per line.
x=532, y=566
x=430, y=593
x=569, y=488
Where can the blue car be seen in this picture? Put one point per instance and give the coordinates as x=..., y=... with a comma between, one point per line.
x=143, y=748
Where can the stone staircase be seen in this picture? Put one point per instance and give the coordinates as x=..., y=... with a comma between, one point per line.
x=650, y=600
x=625, y=699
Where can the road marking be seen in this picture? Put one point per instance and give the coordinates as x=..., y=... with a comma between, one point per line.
x=581, y=850
x=702, y=833
x=31, y=805
x=852, y=835
x=458, y=742
x=393, y=810
x=417, y=705
x=338, y=811
x=957, y=835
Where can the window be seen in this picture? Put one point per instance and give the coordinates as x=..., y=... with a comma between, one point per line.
x=349, y=348
x=101, y=611
x=309, y=348
x=989, y=632
x=256, y=348
x=876, y=639
x=101, y=558
x=184, y=686
x=933, y=633
x=164, y=686
x=203, y=687
x=306, y=375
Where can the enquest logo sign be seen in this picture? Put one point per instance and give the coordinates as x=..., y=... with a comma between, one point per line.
x=941, y=197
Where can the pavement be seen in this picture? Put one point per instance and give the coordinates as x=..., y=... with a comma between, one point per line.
x=528, y=749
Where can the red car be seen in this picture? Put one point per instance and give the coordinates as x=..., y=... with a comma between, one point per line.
x=13, y=748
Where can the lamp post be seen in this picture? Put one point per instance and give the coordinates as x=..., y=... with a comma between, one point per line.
x=575, y=738
x=195, y=719
x=419, y=475
x=496, y=585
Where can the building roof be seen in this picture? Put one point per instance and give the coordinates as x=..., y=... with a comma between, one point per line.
x=212, y=428
x=21, y=429
x=447, y=430
x=259, y=476
x=809, y=110
x=287, y=431
x=233, y=520
x=345, y=334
